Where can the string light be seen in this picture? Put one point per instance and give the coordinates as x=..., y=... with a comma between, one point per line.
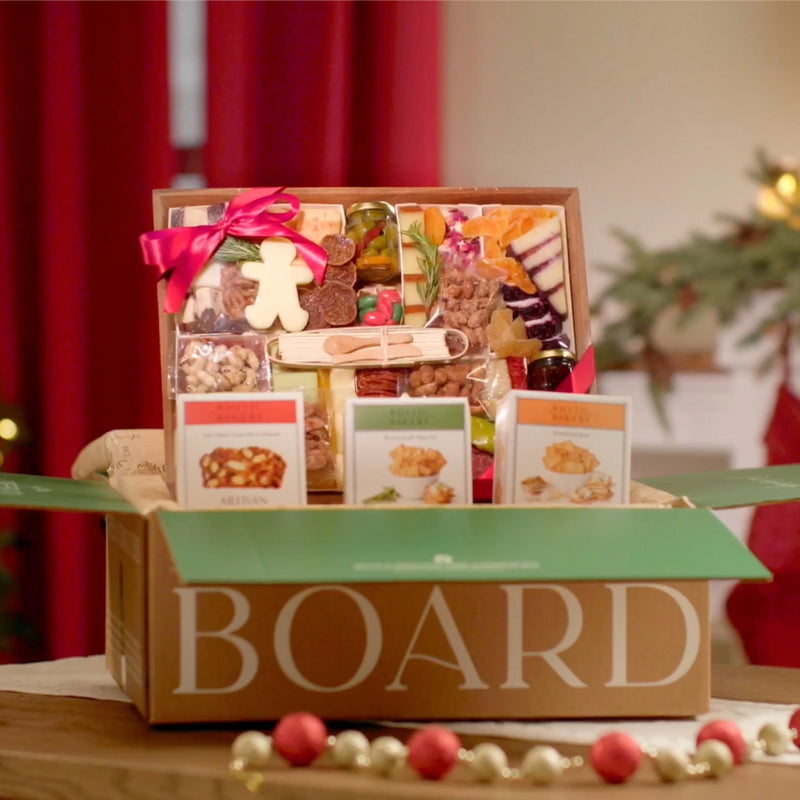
x=9, y=430
x=432, y=752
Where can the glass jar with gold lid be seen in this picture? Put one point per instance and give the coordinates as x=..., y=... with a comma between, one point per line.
x=373, y=227
x=550, y=368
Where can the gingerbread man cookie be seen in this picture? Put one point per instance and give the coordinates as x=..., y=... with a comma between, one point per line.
x=278, y=280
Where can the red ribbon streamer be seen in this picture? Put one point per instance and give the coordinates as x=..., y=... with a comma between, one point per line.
x=583, y=375
x=181, y=253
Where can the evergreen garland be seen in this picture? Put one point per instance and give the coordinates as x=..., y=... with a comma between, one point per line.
x=725, y=273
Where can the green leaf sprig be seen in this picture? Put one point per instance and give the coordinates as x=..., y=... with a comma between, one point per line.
x=234, y=249
x=430, y=263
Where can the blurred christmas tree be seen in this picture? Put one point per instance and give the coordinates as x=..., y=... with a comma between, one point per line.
x=15, y=628
x=716, y=277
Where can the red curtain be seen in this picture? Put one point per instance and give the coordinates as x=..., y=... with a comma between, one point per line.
x=83, y=141
x=299, y=93
x=323, y=93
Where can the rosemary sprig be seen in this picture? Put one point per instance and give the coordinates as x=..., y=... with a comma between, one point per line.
x=233, y=249
x=430, y=263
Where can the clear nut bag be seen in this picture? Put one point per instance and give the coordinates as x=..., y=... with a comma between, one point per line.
x=219, y=364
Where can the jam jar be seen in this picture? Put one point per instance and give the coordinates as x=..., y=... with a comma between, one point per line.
x=373, y=228
x=549, y=368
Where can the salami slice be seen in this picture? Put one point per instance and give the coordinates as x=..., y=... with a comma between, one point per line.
x=338, y=303
x=377, y=383
x=346, y=274
x=341, y=249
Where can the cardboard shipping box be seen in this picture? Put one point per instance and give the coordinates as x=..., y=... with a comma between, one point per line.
x=471, y=612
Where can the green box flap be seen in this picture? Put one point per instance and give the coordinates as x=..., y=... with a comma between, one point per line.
x=484, y=543
x=732, y=488
x=59, y=494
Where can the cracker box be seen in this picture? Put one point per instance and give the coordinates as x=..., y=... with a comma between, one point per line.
x=559, y=448
x=240, y=450
x=408, y=452
x=478, y=612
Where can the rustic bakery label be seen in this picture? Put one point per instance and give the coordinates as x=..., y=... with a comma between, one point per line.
x=240, y=451
x=563, y=449
x=409, y=452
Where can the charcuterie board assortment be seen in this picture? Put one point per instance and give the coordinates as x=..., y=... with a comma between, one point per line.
x=362, y=293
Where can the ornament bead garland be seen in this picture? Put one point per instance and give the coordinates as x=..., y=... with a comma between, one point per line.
x=724, y=730
x=773, y=739
x=300, y=738
x=350, y=749
x=671, y=765
x=432, y=752
x=542, y=765
x=387, y=754
x=714, y=758
x=616, y=757
x=486, y=761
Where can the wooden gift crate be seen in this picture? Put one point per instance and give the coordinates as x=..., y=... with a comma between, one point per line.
x=567, y=198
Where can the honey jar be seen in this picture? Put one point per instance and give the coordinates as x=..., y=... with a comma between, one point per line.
x=549, y=368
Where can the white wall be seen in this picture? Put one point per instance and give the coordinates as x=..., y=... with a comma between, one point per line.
x=652, y=109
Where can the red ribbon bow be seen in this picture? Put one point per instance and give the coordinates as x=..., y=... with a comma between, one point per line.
x=183, y=252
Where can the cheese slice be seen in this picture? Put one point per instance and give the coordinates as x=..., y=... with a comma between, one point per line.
x=548, y=277
x=316, y=221
x=406, y=217
x=296, y=380
x=411, y=296
x=415, y=319
x=536, y=236
x=409, y=263
x=558, y=299
x=343, y=385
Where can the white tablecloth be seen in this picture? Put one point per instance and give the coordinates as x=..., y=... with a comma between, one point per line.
x=88, y=677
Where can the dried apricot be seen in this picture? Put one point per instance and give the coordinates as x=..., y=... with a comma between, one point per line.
x=482, y=226
x=535, y=213
x=513, y=231
x=435, y=225
x=488, y=269
x=492, y=249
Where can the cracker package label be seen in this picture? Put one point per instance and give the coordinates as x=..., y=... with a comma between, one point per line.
x=241, y=450
x=562, y=449
x=408, y=452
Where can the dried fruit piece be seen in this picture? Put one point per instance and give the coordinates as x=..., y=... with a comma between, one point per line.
x=338, y=303
x=346, y=273
x=310, y=301
x=341, y=249
x=492, y=248
x=483, y=226
x=533, y=213
x=435, y=225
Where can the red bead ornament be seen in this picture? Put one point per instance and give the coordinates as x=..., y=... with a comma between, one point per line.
x=728, y=732
x=433, y=751
x=300, y=738
x=615, y=757
x=794, y=727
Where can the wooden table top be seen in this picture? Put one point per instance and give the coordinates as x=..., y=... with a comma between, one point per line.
x=60, y=748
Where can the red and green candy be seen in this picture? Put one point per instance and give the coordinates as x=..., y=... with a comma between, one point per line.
x=382, y=308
